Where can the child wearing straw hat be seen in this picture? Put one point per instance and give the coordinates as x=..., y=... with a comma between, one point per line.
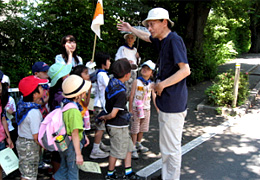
x=57, y=72
x=74, y=88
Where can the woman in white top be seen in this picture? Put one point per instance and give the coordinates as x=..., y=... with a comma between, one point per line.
x=68, y=56
x=129, y=52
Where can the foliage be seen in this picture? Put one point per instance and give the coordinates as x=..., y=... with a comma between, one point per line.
x=202, y=65
x=31, y=33
x=227, y=32
x=221, y=92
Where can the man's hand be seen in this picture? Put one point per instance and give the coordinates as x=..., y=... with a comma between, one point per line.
x=158, y=88
x=124, y=26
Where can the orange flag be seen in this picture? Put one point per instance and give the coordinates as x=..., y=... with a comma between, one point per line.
x=98, y=18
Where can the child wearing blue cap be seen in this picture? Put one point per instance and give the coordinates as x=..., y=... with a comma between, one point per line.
x=40, y=70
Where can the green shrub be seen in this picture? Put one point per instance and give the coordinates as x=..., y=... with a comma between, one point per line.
x=221, y=92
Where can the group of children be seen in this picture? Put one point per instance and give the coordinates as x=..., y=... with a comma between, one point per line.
x=70, y=83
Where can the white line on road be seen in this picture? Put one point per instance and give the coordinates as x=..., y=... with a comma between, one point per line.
x=157, y=165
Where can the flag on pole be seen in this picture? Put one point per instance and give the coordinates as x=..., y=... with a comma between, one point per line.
x=98, y=18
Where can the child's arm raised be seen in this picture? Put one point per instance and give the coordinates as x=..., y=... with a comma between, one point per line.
x=132, y=94
x=76, y=144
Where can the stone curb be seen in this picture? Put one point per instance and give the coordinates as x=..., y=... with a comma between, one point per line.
x=241, y=110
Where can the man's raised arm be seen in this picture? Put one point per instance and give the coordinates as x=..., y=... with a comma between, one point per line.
x=125, y=26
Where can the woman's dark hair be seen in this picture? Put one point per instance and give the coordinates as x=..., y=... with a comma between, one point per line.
x=63, y=49
x=5, y=95
x=101, y=58
x=78, y=70
x=29, y=98
x=53, y=90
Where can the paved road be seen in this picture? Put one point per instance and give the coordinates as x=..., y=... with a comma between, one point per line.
x=231, y=155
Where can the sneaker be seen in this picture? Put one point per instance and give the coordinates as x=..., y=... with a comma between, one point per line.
x=142, y=148
x=114, y=176
x=104, y=147
x=135, y=155
x=132, y=176
x=99, y=154
x=44, y=165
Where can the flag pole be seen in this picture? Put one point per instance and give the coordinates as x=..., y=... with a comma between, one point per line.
x=94, y=48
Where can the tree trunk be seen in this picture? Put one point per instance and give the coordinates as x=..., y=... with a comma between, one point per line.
x=194, y=22
x=255, y=29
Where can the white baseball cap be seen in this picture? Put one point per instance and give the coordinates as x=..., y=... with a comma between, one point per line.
x=149, y=63
x=157, y=13
x=125, y=36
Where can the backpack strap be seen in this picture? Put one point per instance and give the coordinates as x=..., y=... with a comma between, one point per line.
x=63, y=109
x=68, y=106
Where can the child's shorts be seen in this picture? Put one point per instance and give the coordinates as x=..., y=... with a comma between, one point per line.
x=102, y=126
x=140, y=125
x=28, y=152
x=120, y=142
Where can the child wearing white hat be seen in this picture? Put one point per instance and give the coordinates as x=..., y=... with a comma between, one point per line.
x=139, y=106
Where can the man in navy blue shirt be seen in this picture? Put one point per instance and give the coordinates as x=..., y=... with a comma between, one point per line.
x=171, y=87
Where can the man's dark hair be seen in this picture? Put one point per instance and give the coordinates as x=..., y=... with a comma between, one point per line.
x=101, y=58
x=168, y=23
x=29, y=98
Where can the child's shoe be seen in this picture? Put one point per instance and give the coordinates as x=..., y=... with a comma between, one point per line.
x=141, y=148
x=44, y=165
x=104, y=147
x=135, y=154
x=98, y=154
x=112, y=177
x=132, y=176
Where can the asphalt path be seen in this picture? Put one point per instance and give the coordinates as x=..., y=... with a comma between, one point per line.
x=230, y=155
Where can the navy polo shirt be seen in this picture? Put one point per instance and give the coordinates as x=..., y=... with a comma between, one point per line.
x=117, y=101
x=171, y=52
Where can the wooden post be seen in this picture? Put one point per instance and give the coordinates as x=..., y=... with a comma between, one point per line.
x=236, y=85
x=94, y=48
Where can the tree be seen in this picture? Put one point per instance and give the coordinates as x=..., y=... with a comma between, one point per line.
x=255, y=26
x=32, y=33
x=193, y=16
